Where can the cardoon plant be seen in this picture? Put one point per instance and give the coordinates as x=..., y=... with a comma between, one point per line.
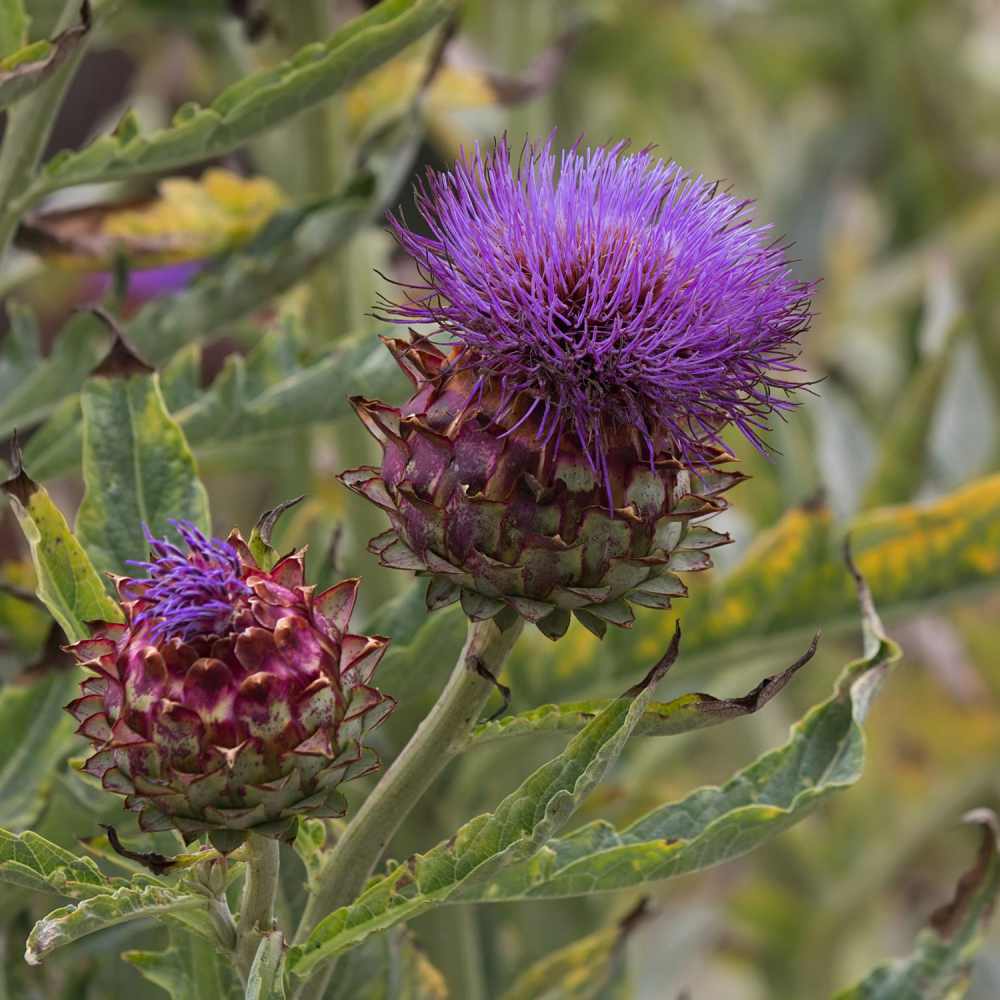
x=595, y=336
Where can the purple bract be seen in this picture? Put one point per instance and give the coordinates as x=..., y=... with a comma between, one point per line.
x=611, y=289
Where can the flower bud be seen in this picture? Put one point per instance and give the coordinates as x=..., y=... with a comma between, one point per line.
x=233, y=697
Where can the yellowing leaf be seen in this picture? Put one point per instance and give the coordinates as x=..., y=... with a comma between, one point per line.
x=188, y=220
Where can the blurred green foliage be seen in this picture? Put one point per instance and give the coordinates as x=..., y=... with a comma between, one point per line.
x=868, y=130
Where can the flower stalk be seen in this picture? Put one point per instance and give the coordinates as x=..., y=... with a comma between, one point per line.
x=431, y=747
x=260, y=888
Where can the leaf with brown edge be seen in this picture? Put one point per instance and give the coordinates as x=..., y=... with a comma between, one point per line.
x=29, y=67
x=260, y=537
x=683, y=714
x=825, y=754
x=940, y=964
x=487, y=845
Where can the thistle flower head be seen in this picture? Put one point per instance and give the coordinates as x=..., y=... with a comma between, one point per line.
x=233, y=697
x=611, y=290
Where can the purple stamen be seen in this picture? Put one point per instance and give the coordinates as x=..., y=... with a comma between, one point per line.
x=614, y=288
x=191, y=594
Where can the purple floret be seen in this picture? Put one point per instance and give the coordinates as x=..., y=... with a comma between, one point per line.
x=613, y=290
x=190, y=594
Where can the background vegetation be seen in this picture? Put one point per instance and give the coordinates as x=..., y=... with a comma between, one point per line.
x=866, y=129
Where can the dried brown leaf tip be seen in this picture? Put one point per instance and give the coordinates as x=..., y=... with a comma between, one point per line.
x=20, y=485
x=121, y=361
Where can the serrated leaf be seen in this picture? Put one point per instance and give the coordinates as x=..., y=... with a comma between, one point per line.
x=683, y=714
x=265, y=981
x=311, y=846
x=32, y=862
x=70, y=923
x=67, y=582
x=27, y=68
x=190, y=969
x=253, y=396
x=592, y=968
x=137, y=467
x=521, y=824
x=254, y=104
x=825, y=754
x=35, y=735
x=939, y=966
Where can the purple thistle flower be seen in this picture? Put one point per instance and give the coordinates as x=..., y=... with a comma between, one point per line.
x=612, y=291
x=191, y=594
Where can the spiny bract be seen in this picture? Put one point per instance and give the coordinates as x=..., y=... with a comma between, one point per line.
x=233, y=697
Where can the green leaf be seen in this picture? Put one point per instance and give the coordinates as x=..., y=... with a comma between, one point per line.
x=13, y=26
x=715, y=824
x=902, y=457
x=279, y=257
x=27, y=68
x=940, y=964
x=236, y=285
x=19, y=349
x=72, y=922
x=137, y=467
x=593, y=968
x=521, y=824
x=259, y=542
x=35, y=735
x=32, y=862
x=265, y=981
x=683, y=714
x=254, y=104
x=253, y=398
x=311, y=846
x=190, y=969
x=33, y=388
x=67, y=582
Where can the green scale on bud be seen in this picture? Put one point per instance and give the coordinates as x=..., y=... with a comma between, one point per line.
x=511, y=521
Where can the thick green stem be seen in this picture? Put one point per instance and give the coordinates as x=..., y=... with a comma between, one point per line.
x=431, y=747
x=259, y=890
x=29, y=125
